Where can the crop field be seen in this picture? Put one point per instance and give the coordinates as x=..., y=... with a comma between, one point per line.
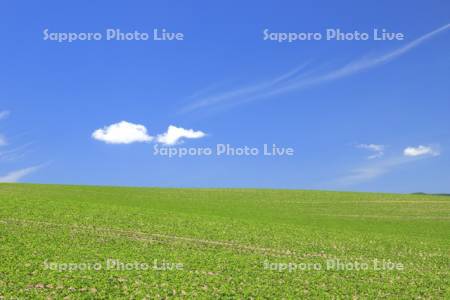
x=80, y=242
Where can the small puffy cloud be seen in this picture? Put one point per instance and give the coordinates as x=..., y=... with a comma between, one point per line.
x=4, y=114
x=420, y=151
x=175, y=134
x=378, y=150
x=122, y=133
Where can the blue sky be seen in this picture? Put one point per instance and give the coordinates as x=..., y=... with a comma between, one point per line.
x=360, y=115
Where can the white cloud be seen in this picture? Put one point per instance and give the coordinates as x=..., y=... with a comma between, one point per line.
x=4, y=114
x=295, y=80
x=420, y=151
x=175, y=134
x=122, y=133
x=378, y=150
x=15, y=176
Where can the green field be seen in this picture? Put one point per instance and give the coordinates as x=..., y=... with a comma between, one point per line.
x=113, y=242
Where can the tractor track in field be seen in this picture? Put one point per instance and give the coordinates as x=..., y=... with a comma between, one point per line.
x=157, y=237
x=405, y=217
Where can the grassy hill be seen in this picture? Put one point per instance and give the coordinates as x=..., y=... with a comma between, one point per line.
x=117, y=242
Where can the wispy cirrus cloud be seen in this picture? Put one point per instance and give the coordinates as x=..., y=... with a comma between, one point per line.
x=294, y=80
x=377, y=150
x=3, y=141
x=9, y=154
x=371, y=171
x=4, y=114
x=258, y=90
x=14, y=154
x=379, y=167
x=17, y=175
